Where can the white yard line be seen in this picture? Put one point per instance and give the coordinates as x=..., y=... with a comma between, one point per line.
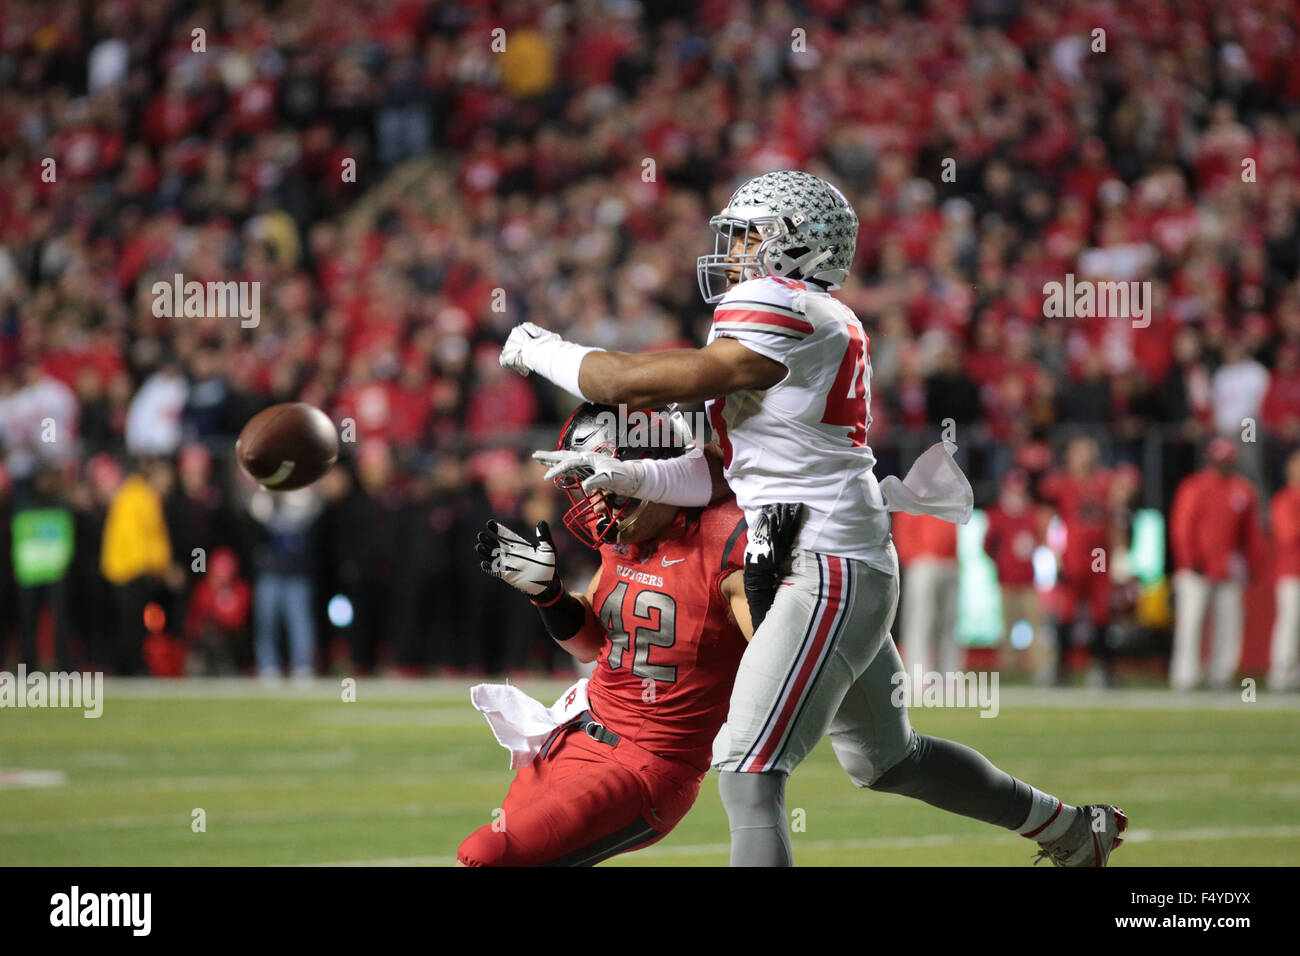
x=182, y=818
x=447, y=690
x=13, y=778
x=886, y=843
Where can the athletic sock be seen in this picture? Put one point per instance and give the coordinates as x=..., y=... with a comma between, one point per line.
x=1048, y=818
x=953, y=777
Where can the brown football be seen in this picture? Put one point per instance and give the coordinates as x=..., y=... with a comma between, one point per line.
x=288, y=446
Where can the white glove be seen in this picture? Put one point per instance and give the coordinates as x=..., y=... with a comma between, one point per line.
x=520, y=346
x=596, y=472
x=528, y=567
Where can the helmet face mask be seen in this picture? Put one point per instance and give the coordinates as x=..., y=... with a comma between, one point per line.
x=805, y=229
x=724, y=268
x=598, y=518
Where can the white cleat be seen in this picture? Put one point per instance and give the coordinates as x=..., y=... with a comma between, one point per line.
x=1092, y=836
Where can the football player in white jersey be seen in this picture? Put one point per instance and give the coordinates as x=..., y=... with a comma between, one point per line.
x=786, y=378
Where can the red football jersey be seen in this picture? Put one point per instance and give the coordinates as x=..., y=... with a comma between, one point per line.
x=1010, y=541
x=1084, y=506
x=664, y=676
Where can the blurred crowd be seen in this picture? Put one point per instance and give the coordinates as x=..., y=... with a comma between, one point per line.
x=562, y=171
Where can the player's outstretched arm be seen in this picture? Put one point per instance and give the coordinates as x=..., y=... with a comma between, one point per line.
x=530, y=567
x=688, y=481
x=639, y=380
x=678, y=375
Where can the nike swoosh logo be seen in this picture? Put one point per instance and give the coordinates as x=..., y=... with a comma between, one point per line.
x=668, y=564
x=531, y=335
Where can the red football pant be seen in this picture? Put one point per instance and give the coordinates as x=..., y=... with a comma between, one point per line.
x=1090, y=591
x=583, y=803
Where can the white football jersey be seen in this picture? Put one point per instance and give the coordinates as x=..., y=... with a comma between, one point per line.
x=805, y=438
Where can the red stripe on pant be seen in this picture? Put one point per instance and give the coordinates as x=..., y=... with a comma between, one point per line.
x=830, y=611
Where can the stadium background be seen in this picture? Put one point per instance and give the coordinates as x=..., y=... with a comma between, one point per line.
x=496, y=187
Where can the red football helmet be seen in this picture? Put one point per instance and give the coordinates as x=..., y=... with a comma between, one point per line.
x=599, y=517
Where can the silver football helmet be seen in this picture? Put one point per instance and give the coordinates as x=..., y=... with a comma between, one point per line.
x=600, y=517
x=805, y=229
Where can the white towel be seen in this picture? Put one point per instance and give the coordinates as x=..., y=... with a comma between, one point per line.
x=522, y=724
x=935, y=485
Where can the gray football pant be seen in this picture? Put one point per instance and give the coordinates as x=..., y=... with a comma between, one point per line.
x=823, y=663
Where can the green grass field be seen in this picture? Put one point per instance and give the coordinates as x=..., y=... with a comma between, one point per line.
x=297, y=776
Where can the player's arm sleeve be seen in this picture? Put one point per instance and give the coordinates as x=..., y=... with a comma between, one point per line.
x=676, y=375
x=573, y=624
x=685, y=481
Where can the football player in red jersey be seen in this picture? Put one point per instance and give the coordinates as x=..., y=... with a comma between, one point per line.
x=786, y=379
x=1081, y=495
x=666, y=621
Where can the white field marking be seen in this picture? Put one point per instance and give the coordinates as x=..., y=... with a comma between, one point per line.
x=1173, y=793
x=429, y=690
x=1087, y=770
x=1280, y=831
x=456, y=691
x=237, y=783
x=351, y=715
x=305, y=760
x=1284, y=788
x=1175, y=790
x=1089, y=767
x=1167, y=763
x=1284, y=831
x=1071, y=698
x=302, y=759
x=885, y=843
x=236, y=818
x=1186, y=781
x=1083, y=747
x=213, y=783
x=15, y=779
x=80, y=758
